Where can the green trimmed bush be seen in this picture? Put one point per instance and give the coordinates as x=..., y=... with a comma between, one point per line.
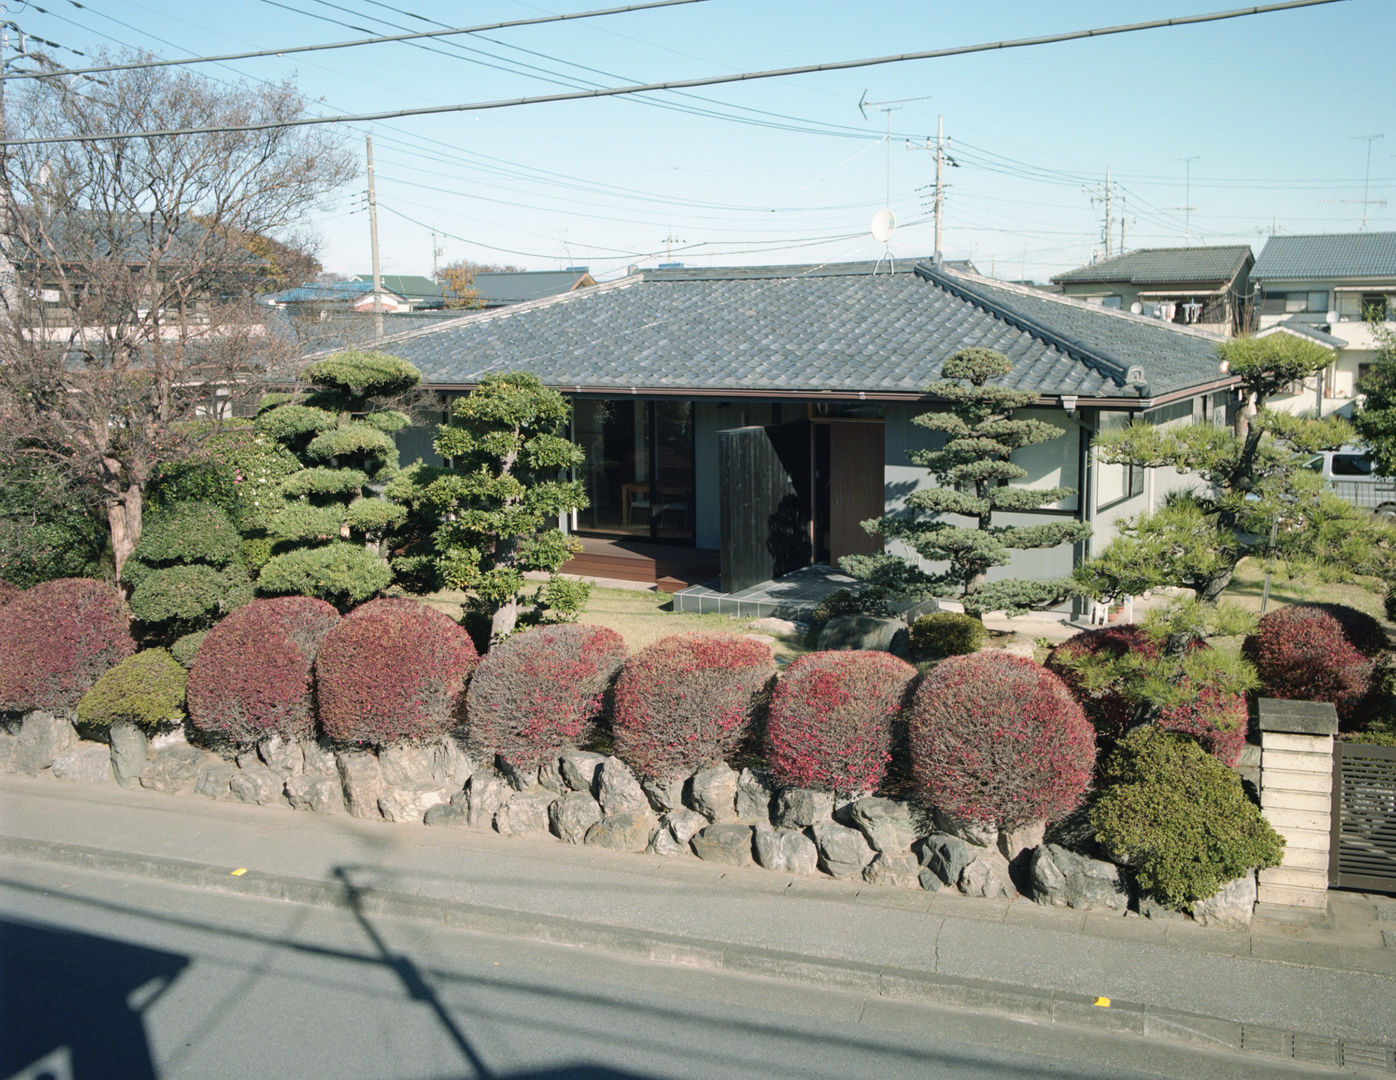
x=1179, y=818
x=301, y=522
x=389, y=421
x=177, y=600
x=186, y=648
x=374, y=515
x=288, y=423
x=192, y=532
x=357, y=439
x=337, y=484
x=947, y=633
x=341, y=574
x=146, y=689
x=354, y=375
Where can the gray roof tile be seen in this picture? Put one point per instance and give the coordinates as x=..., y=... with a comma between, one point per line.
x=1158, y=266
x=1334, y=255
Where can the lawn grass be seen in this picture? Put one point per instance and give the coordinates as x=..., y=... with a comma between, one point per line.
x=1248, y=585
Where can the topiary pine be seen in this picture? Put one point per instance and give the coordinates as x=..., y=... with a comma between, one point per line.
x=146, y=689
x=974, y=477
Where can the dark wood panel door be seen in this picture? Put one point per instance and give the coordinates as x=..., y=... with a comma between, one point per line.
x=855, y=488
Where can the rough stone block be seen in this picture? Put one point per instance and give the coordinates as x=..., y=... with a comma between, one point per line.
x=579, y=769
x=727, y=842
x=713, y=793
x=319, y=792
x=865, y=632
x=410, y=802
x=1014, y=842
x=173, y=768
x=129, y=747
x=895, y=868
x=88, y=763
x=629, y=830
x=979, y=833
x=843, y=852
x=754, y=796
x=987, y=876
x=943, y=859
x=664, y=794
x=361, y=777
x=572, y=815
x=484, y=795
x=282, y=756
x=42, y=738
x=525, y=813
x=1065, y=878
x=256, y=784
x=887, y=823
x=618, y=791
x=798, y=808
x=550, y=777
x=1231, y=906
x=214, y=779
x=785, y=850
x=446, y=815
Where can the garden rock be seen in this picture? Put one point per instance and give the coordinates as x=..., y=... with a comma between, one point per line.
x=129, y=746
x=319, y=792
x=885, y=822
x=215, y=778
x=1064, y=878
x=257, y=784
x=404, y=763
x=913, y=610
x=1013, y=842
x=943, y=859
x=713, y=792
x=626, y=831
x=446, y=815
x=7, y=751
x=618, y=791
x=987, y=876
x=665, y=795
x=525, y=813
x=90, y=763
x=550, y=777
x=173, y=768
x=728, y=843
x=579, y=769
x=484, y=795
x=1232, y=906
x=778, y=627
x=447, y=763
x=517, y=777
x=410, y=802
x=895, y=868
x=319, y=757
x=798, y=808
x=843, y=852
x=677, y=828
x=786, y=850
x=979, y=833
x=362, y=780
x=754, y=795
x=42, y=737
x=865, y=632
x=282, y=756
x=572, y=815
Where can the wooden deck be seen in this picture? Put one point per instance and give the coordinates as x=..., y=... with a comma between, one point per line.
x=669, y=567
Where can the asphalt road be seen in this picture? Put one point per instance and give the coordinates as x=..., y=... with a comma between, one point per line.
x=108, y=976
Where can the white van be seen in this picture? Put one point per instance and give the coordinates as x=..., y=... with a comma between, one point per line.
x=1350, y=472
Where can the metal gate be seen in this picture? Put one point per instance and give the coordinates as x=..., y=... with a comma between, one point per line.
x=1363, y=852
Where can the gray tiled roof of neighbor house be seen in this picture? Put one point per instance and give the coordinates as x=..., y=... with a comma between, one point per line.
x=1334, y=255
x=1158, y=266
x=518, y=286
x=1308, y=330
x=833, y=329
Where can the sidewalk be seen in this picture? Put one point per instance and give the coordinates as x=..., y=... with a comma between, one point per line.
x=1322, y=993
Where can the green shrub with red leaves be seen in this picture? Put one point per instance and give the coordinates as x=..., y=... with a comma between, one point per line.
x=688, y=701
x=541, y=691
x=1301, y=653
x=831, y=717
x=1215, y=718
x=252, y=676
x=393, y=671
x=999, y=738
x=57, y=639
x=1104, y=693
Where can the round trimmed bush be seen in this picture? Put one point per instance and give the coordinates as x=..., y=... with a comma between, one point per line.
x=1179, y=818
x=191, y=532
x=947, y=633
x=998, y=738
x=688, y=701
x=339, y=573
x=8, y=592
x=831, y=717
x=146, y=689
x=1109, y=707
x=393, y=670
x=177, y=600
x=1301, y=653
x=57, y=639
x=1216, y=719
x=252, y=674
x=541, y=690
x=186, y=648
x=1364, y=632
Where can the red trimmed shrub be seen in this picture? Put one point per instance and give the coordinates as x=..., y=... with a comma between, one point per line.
x=393, y=670
x=1108, y=708
x=57, y=639
x=1301, y=653
x=687, y=701
x=8, y=592
x=252, y=674
x=1364, y=632
x=831, y=718
x=1215, y=719
x=540, y=691
x=999, y=738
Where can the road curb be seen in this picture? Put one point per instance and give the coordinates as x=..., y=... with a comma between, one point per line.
x=932, y=988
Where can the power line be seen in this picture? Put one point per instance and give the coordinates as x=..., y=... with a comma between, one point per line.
x=685, y=84
x=535, y=21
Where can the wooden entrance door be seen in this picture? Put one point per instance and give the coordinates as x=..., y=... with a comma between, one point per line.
x=855, y=487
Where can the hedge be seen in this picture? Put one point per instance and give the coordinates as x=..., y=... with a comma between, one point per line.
x=689, y=700
x=391, y=671
x=831, y=720
x=998, y=738
x=340, y=573
x=252, y=674
x=542, y=690
x=1302, y=653
x=146, y=689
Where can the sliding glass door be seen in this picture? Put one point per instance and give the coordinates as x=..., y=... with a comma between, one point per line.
x=639, y=467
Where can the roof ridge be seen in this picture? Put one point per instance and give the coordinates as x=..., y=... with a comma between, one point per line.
x=1122, y=373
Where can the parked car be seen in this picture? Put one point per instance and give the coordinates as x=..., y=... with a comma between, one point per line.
x=1350, y=472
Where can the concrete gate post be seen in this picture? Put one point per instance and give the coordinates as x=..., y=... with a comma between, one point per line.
x=1296, y=797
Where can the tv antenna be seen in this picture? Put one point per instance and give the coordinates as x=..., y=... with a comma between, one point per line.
x=1187, y=208
x=884, y=222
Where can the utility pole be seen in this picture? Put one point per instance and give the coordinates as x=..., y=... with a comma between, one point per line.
x=435, y=251
x=1187, y=208
x=1104, y=195
x=373, y=243
x=942, y=159
x=1367, y=176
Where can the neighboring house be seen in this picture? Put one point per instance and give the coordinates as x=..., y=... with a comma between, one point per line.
x=1327, y=288
x=1205, y=287
x=764, y=412
x=420, y=293
x=319, y=299
x=503, y=288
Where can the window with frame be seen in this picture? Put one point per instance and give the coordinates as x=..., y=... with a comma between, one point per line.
x=1116, y=482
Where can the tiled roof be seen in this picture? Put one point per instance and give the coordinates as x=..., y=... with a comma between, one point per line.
x=1336, y=255
x=517, y=286
x=1158, y=266
x=808, y=330
x=1303, y=329
x=410, y=286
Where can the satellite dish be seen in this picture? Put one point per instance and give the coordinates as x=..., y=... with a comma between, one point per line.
x=884, y=224
x=1332, y=317
x=1136, y=308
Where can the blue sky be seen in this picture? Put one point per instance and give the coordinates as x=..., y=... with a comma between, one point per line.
x=1272, y=110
